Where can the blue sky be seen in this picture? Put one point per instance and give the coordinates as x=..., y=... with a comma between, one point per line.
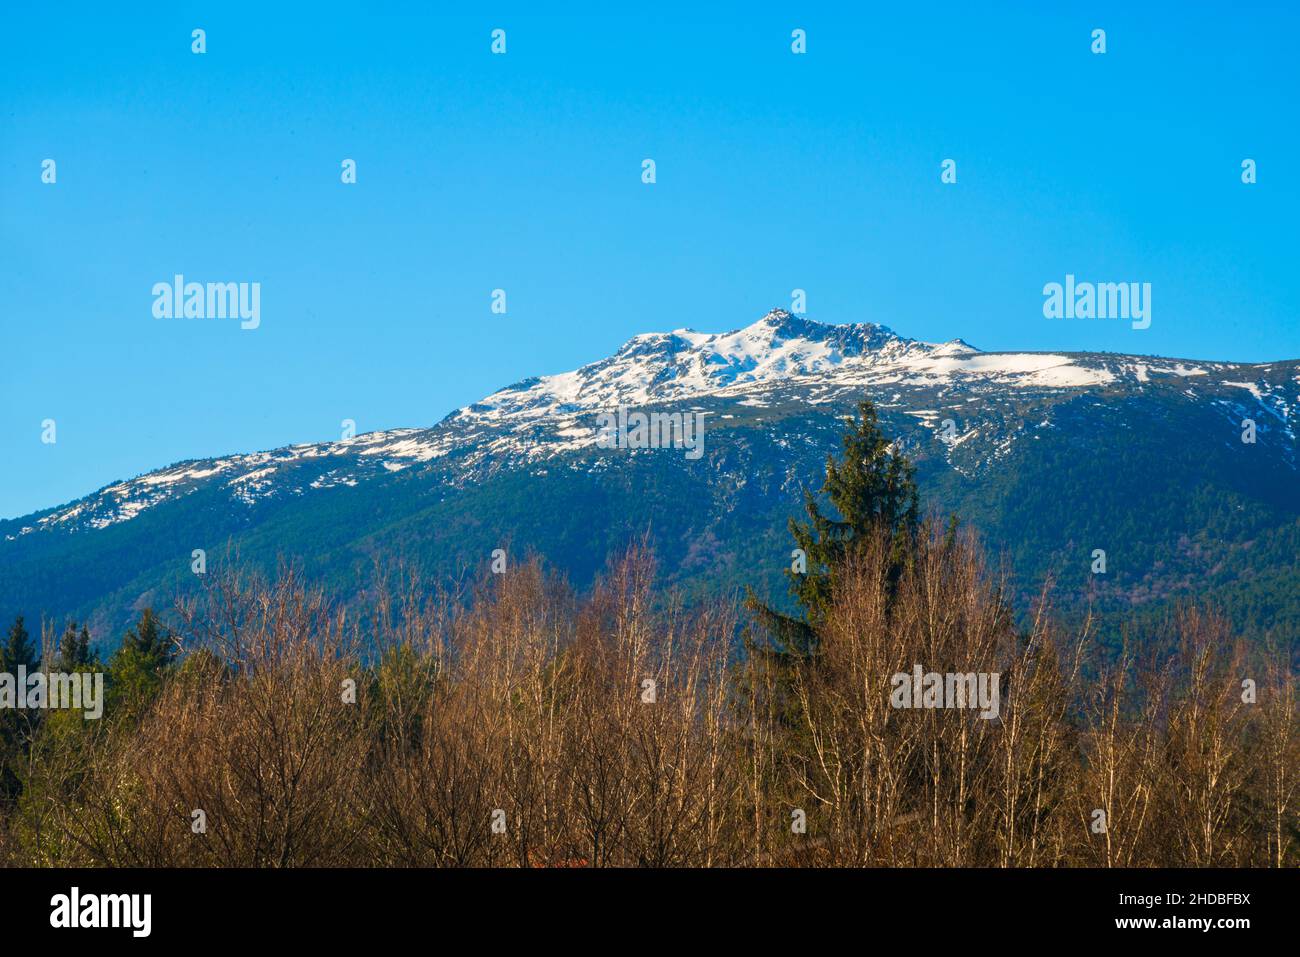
x=522, y=172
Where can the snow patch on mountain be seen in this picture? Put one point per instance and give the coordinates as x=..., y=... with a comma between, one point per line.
x=673, y=366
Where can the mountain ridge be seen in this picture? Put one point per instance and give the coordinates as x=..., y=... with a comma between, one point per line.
x=1049, y=454
x=795, y=350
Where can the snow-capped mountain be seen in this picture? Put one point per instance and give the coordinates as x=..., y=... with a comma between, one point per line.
x=1046, y=453
x=770, y=361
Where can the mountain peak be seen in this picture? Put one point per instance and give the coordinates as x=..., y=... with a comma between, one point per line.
x=954, y=347
x=774, y=319
x=786, y=325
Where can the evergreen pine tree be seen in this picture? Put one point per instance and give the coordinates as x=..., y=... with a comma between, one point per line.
x=19, y=649
x=873, y=490
x=74, y=649
x=137, y=668
x=16, y=726
x=150, y=641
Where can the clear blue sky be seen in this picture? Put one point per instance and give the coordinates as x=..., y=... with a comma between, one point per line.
x=522, y=171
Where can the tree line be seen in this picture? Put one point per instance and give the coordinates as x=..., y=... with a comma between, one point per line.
x=516, y=723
